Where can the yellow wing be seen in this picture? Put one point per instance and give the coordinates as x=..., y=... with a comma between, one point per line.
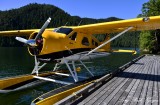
x=20, y=32
x=138, y=24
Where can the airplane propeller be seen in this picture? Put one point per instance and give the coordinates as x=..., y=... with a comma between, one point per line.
x=32, y=42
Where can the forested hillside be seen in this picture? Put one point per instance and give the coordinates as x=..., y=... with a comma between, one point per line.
x=34, y=15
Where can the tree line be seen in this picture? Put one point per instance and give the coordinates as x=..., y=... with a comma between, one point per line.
x=33, y=16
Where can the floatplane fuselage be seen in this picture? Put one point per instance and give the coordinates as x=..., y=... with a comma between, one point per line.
x=64, y=42
x=67, y=44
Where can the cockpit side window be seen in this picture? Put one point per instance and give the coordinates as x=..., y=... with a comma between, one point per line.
x=63, y=30
x=85, y=41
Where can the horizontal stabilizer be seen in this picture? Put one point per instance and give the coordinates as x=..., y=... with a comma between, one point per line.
x=125, y=51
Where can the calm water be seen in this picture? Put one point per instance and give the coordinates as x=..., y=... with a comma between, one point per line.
x=17, y=61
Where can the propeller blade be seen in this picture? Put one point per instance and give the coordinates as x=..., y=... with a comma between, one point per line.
x=43, y=28
x=32, y=42
x=21, y=40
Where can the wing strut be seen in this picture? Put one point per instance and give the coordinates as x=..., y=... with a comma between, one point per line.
x=118, y=35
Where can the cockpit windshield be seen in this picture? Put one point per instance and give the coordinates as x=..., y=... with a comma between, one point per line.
x=63, y=30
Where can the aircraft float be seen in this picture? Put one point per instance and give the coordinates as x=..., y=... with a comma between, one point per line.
x=69, y=44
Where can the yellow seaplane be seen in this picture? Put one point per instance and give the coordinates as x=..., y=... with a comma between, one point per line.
x=69, y=44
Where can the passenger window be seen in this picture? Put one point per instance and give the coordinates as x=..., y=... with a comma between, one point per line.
x=85, y=41
x=73, y=37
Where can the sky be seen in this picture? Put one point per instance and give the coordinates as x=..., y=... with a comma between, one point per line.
x=125, y=9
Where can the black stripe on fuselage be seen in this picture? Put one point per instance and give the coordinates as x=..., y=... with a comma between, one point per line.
x=60, y=54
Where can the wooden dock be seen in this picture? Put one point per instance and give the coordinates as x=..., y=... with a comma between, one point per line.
x=139, y=84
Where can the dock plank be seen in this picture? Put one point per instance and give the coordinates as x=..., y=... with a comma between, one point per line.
x=122, y=94
x=130, y=96
x=155, y=86
x=136, y=98
x=137, y=85
x=109, y=94
x=120, y=91
x=149, y=92
x=96, y=95
x=143, y=94
x=107, y=88
x=100, y=97
x=130, y=87
x=90, y=97
x=158, y=81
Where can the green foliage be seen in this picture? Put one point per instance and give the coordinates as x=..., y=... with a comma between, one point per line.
x=33, y=16
x=148, y=40
x=151, y=8
x=145, y=41
x=129, y=39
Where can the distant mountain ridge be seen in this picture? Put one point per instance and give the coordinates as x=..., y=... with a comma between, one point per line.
x=34, y=15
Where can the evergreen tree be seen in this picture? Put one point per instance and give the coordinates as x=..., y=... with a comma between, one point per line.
x=151, y=8
x=150, y=40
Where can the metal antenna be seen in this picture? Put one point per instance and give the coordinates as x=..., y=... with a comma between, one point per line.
x=66, y=24
x=80, y=22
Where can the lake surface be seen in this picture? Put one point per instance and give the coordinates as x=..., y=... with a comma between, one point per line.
x=17, y=61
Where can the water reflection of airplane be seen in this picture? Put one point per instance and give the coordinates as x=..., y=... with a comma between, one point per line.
x=67, y=44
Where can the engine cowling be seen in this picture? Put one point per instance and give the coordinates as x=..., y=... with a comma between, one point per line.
x=39, y=45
